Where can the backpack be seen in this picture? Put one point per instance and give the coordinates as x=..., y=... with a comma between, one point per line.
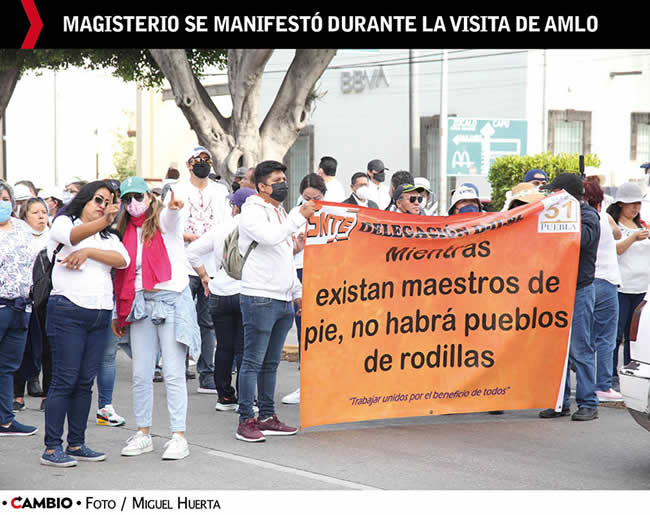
x=42, y=277
x=233, y=261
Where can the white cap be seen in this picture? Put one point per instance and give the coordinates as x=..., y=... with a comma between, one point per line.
x=54, y=192
x=197, y=151
x=22, y=192
x=463, y=192
x=424, y=182
x=628, y=193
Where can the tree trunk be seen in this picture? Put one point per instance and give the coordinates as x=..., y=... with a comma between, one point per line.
x=240, y=140
x=8, y=81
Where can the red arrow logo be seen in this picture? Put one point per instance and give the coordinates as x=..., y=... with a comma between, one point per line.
x=36, y=24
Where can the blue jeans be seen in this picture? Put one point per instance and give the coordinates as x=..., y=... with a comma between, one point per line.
x=13, y=336
x=582, y=352
x=227, y=320
x=205, y=362
x=266, y=325
x=603, y=334
x=77, y=337
x=107, y=371
x=298, y=317
x=627, y=303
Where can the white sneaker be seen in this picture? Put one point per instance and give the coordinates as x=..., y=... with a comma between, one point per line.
x=176, y=449
x=138, y=444
x=292, y=398
x=107, y=416
x=609, y=396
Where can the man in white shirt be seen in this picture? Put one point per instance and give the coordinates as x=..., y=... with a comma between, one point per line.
x=327, y=170
x=269, y=287
x=379, y=192
x=205, y=205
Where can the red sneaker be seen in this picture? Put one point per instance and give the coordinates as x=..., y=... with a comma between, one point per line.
x=248, y=431
x=273, y=427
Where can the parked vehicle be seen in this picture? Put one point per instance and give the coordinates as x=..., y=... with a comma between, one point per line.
x=635, y=376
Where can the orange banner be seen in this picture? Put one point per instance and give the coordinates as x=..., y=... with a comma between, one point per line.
x=410, y=316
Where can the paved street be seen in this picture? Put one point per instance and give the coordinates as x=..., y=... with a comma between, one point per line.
x=514, y=451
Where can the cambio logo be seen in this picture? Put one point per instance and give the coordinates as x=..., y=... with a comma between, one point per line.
x=42, y=503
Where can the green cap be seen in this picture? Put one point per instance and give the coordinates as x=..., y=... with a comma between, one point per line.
x=133, y=184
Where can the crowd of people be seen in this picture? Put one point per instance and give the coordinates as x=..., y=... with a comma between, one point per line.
x=199, y=270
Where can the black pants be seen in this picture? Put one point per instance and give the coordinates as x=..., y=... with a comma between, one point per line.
x=229, y=329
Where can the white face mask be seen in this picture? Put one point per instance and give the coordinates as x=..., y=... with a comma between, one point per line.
x=67, y=196
x=362, y=192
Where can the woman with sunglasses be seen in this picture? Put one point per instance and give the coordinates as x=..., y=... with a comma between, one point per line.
x=152, y=295
x=79, y=316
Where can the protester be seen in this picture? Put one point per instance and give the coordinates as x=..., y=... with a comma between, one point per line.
x=17, y=255
x=360, y=191
x=465, y=199
x=239, y=176
x=268, y=288
x=78, y=316
x=581, y=348
x=408, y=198
x=379, y=190
x=398, y=178
x=34, y=214
x=223, y=291
x=606, y=281
x=327, y=170
x=152, y=296
x=53, y=197
x=522, y=194
x=633, y=250
x=312, y=187
x=33, y=190
x=429, y=204
x=71, y=189
x=22, y=194
x=205, y=205
x=536, y=176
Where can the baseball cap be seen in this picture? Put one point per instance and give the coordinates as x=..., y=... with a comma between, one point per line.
x=628, y=193
x=53, y=192
x=466, y=191
x=406, y=188
x=535, y=174
x=22, y=192
x=133, y=184
x=239, y=197
x=376, y=164
x=569, y=182
x=241, y=171
x=423, y=182
x=197, y=151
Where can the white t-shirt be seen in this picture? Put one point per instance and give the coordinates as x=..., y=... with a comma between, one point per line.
x=90, y=286
x=335, y=191
x=606, y=259
x=633, y=264
x=379, y=194
x=203, y=209
x=298, y=258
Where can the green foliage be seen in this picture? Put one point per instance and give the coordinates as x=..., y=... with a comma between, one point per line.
x=124, y=160
x=128, y=64
x=507, y=171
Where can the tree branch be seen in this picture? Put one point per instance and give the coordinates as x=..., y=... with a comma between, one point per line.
x=291, y=108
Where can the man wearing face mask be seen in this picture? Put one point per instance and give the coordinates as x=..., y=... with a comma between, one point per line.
x=379, y=189
x=269, y=287
x=360, y=192
x=465, y=200
x=205, y=205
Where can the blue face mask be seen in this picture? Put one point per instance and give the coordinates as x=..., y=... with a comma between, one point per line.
x=5, y=210
x=469, y=208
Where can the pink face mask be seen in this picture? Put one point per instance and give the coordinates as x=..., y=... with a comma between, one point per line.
x=136, y=208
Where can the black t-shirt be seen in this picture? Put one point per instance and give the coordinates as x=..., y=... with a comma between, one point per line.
x=589, y=237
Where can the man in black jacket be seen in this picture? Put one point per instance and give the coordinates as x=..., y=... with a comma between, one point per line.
x=581, y=350
x=359, y=187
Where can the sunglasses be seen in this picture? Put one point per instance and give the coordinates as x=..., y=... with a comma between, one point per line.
x=139, y=197
x=201, y=160
x=101, y=201
x=414, y=199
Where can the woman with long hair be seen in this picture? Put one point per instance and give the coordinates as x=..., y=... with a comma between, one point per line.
x=633, y=252
x=79, y=316
x=153, y=298
x=17, y=257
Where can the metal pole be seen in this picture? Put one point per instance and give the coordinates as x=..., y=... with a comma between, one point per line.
x=442, y=196
x=414, y=118
x=56, y=171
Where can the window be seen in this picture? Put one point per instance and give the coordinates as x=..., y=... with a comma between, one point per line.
x=640, y=137
x=569, y=131
x=299, y=161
